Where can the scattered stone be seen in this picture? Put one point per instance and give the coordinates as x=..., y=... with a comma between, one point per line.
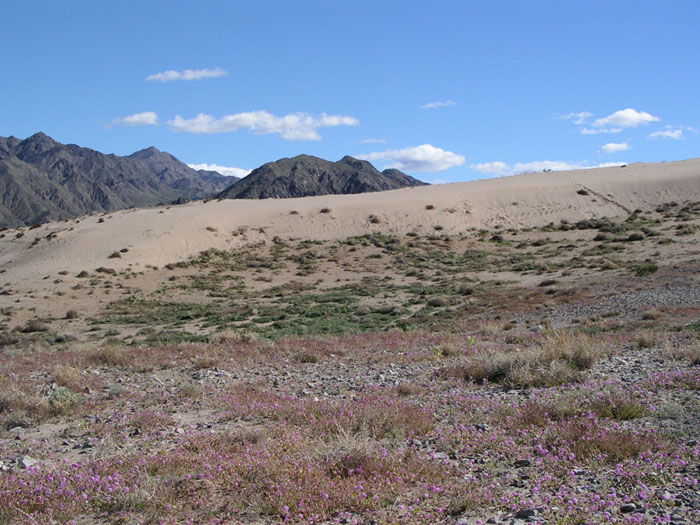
x=26, y=462
x=627, y=508
x=520, y=463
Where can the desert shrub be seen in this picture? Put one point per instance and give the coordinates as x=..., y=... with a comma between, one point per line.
x=62, y=400
x=582, y=192
x=307, y=357
x=651, y=314
x=325, y=210
x=373, y=219
x=83, y=274
x=635, y=236
x=437, y=302
x=230, y=336
x=115, y=255
x=24, y=407
x=681, y=352
x=206, y=361
x=71, y=314
x=7, y=339
x=407, y=389
x=646, y=269
x=34, y=325
x=66, y=376
x=558, y=358
x=108, y=356
x=464, y=289
x=429, y=207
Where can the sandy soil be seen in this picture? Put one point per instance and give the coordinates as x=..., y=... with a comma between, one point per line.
x=157, y=236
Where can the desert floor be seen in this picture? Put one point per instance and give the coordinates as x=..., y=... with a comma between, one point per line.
x=524, y=349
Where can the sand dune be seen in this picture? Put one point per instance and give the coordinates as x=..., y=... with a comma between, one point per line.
x=157, y=236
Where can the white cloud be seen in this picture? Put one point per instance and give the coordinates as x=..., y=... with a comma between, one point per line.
x=592, y=131
x=492, y=168
x=499, y=168
x=224, y=170
x=423, y=158
x=614, y=147
x=626, y=118
x=293, y=126
x=187, y=74
x=577, y=118
x=669, y=132
x=439, y=104
x=373, y=141
x=147, y=118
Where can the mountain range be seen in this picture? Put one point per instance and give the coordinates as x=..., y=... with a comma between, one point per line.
x=43, y=180
x=305, y=175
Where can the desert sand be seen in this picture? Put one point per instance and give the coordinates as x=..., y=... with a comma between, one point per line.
x=167, y=234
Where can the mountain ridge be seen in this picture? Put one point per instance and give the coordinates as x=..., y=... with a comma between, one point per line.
x=306, y=175
x=42, y=179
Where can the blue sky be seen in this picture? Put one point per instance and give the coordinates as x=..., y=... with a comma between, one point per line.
x=445, y=90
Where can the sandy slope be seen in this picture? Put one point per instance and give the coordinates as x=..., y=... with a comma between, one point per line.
x=157, y=236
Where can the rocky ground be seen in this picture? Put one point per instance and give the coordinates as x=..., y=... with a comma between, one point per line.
x=565, y=394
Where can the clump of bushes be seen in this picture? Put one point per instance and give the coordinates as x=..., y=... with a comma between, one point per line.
x=559, y=358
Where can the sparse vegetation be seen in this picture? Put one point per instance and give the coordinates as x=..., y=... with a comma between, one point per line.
x=426, y=378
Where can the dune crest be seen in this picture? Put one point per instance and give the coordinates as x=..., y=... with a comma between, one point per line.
x=158, y=236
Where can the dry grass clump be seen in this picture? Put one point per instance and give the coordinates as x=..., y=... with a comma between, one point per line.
x=407, y=389
x=683, y=352
x=206, y=361
x=230, y=336
x=491, y=327
x=559, y=358
x=19, y=408
x=647, y=340
x=651, y=315
x=307, y=357
x=33, y=326
x=108, y=356
x=67, y=376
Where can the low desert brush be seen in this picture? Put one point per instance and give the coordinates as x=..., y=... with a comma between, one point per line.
x=558, y=358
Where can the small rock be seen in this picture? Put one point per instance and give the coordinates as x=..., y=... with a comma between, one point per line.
x=627, y=508
x=87, y=390
x=521, y=463
x=524, y=514
x=180, y=430
x=26, y=462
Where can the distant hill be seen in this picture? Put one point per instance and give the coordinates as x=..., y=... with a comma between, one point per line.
x=305, y=176
x=43, y=180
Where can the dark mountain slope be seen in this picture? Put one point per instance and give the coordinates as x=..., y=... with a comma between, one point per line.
x=41, y=179
x=304, y=176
